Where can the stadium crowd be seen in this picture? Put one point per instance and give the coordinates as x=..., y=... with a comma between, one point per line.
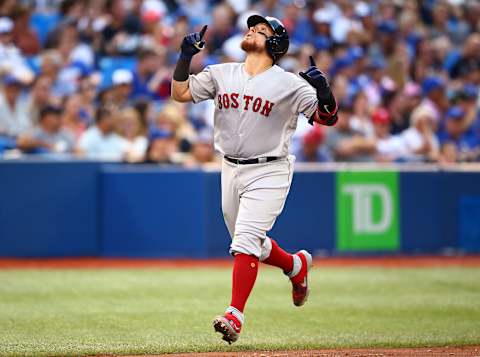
x=91, y=78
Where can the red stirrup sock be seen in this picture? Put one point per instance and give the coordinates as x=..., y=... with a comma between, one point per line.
x=245, y=269
x=280, y=258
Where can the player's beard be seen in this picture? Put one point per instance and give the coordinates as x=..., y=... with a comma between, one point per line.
x=250, y=46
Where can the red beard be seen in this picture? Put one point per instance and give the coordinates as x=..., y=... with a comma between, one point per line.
x=248, y=46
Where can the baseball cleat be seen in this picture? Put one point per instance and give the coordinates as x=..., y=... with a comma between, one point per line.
x=229, y=326
x=300, y=288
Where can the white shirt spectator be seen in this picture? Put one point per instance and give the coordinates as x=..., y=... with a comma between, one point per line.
x=14, y=121
x=408, y=144
x=393, y=147
x=363, y=126
x=341, y=26
x=11, y=58
x=414, y=141
x=137, y=147
x=96, y=145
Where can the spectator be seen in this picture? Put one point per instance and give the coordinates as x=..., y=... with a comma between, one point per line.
x=222, y=27
x=472, y=14
x=295, y=21
x=144, y=109
x=14, y=117
x=401, y=106
x=435, y=97
x=178, y=31
x=405, y=57
x=457, y=132
x=122, y=34
x=344, y=22
x=194, y=11
x=310, y=149
x=122, y=80
x=416, y=144
x=105, y=97
x=24, y=37
x=172, y=118
x=149, y=80
x=202, y=152
x=381, y=123
x=101, y=142
x=387, y=145
x=468, y=65
x=72, y=10
x=72, y=119
x=76, y=59
x=88, y=93
x=162, y=147
x=364, y=12
x=10, y=56
x=442, y=48
x=131, y=128
x=448, y=153
x=7, y=7
x=91, y=21
x=321, y=36
x=377, y=80
x=50, y=64
x=360, y=121
x=156, y=31
x=445, y=22
x=48, y=137
x=340, y=88
x=39, y=97
x=345, y=144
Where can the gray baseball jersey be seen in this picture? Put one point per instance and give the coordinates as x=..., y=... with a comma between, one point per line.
x=255, y=116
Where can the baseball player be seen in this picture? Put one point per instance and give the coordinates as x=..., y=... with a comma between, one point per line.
x=257, y=105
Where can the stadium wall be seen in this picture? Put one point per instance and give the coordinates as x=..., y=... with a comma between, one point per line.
x=68, y=209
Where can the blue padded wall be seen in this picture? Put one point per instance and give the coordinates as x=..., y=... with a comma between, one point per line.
x=48, y=209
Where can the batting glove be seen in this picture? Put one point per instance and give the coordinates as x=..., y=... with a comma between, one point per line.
x=192, y=44
x=326, y=113
x=316, y=79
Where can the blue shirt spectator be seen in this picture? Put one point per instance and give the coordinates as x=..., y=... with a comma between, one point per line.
x=455, y=131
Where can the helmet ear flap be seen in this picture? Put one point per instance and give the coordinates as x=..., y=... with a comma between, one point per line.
x=277, y=46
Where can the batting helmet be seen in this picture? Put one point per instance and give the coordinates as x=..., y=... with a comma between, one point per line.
x=277, y=45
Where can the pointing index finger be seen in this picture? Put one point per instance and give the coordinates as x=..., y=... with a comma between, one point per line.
x=312, y=62
x=202, y=31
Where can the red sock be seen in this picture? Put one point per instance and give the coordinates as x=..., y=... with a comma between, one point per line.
x=245, y=269
x=279, y=258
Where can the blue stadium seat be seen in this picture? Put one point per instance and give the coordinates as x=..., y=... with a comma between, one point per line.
x=43, y=23
x=34, y=63
x=6, y=143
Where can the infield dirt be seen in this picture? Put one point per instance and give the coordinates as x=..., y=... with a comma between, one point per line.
x=109, y=263
x=468, y=351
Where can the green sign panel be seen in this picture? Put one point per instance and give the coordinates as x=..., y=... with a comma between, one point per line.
x=367, y=211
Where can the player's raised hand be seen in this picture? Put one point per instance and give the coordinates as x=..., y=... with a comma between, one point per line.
x=316, y=79
x=193, y=43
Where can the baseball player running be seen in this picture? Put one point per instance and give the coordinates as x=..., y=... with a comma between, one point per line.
x=257, y=105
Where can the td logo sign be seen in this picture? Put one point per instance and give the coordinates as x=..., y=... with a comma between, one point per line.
x=367, y=211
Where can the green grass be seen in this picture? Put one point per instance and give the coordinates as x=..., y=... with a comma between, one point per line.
x=87, y=312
